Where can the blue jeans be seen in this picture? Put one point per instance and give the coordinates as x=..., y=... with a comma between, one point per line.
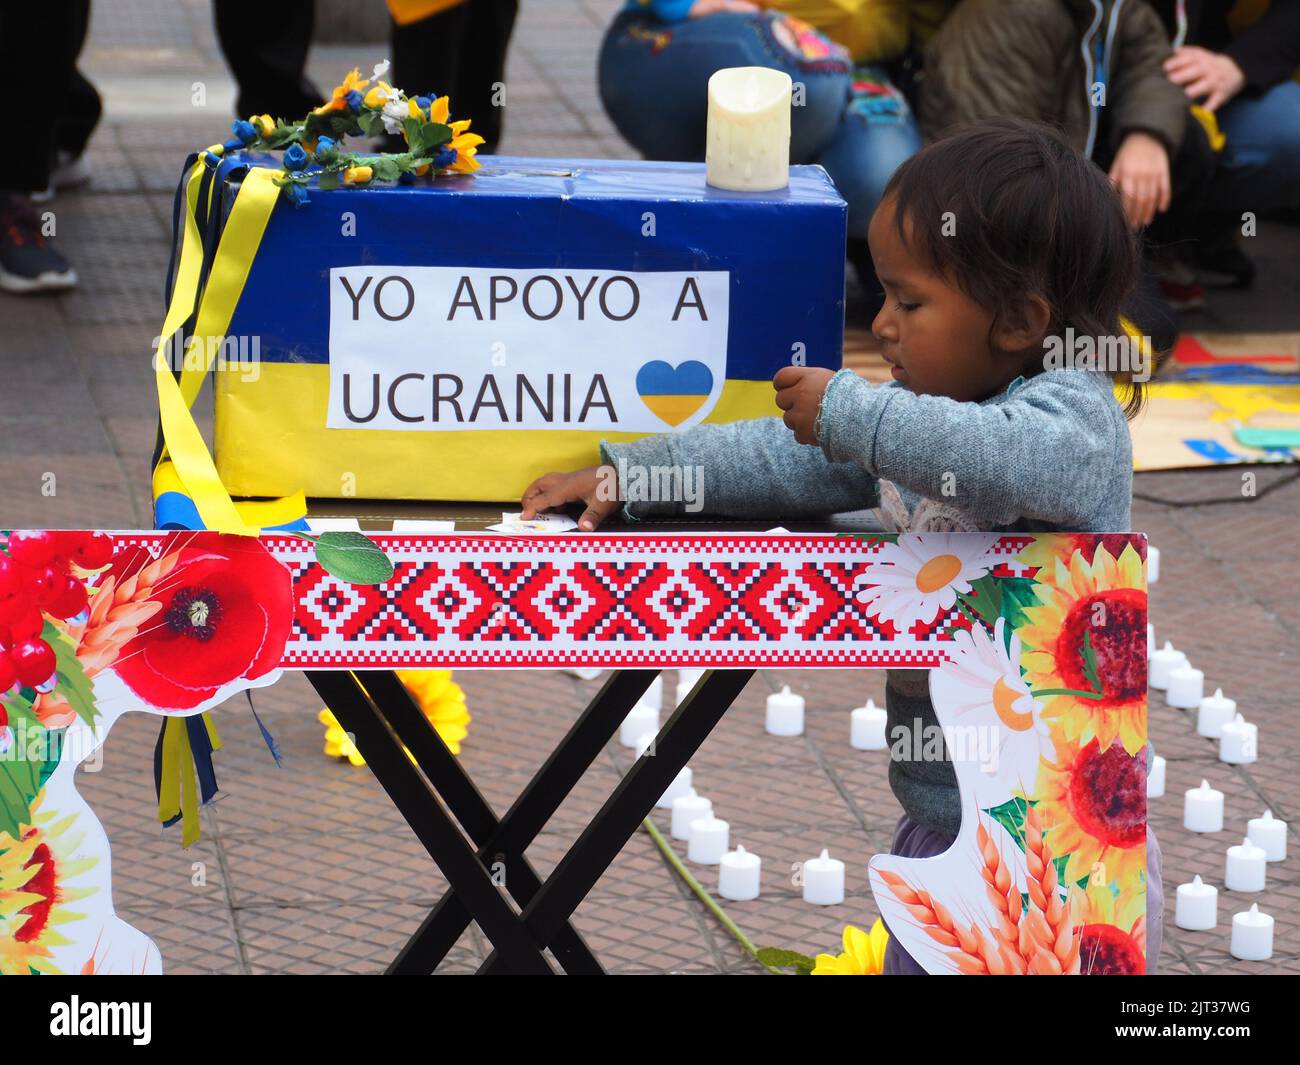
x=654, y=84
x=1259, y=167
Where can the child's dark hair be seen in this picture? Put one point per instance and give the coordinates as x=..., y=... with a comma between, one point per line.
x=1004, y=208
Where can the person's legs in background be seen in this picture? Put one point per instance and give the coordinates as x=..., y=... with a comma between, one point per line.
x=266, y=52
x=81, y=113
x=460, y=53
x=876, y=135
x=38, y=46
x=654, y=78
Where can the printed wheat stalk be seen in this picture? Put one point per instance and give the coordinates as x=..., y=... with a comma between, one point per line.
x=117, y=611
x=1050, y=924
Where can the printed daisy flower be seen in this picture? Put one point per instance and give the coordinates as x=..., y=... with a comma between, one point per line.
x=1113, y=930
x=980, y=694
x=864, y=953
x=1096, y=800
x=920, y=576
x=1098, y=607
x=38, y=881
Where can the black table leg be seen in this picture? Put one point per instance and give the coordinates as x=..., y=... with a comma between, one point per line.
x=510, y=836
x=629, y=805
x=346, y=698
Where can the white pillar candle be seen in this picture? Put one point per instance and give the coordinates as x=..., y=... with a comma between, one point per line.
x=1156, y=778
x=644, y=742
x=686, y=680
x=747, y=143
x=680, y=786
x=640, y=720
x=1252, y=935
x=823, y=880
x=687, y=808
x=1203, y=809
x=1238, y=742
x=738, y=875
x=585, y=672
x=1153, y=564
x=1163, y=661
x=1268, y=832
x=708, y=841
x=867, y=728
x=1197, y=906
x=1186, y=688
x=1215, y=712
x=1245, y=867
x=654, y=695
x=1151, y=640
x=785, y=713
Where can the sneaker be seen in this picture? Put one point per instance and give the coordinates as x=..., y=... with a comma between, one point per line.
x=1178, y=285
x=28, y=262
x=69, y=172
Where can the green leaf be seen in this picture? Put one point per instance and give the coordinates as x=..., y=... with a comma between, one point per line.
x=385, y=168
x=780, y=958
x=1011, y=816
x=1017, y=594
x=371, y=123
x=433, y=135
x=353, y=557
x=19, y=785
x=329, y=179
x=73, y=684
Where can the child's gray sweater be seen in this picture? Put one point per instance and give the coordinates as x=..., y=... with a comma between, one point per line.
x=1052, y=452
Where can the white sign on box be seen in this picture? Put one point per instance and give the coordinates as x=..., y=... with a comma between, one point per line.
x=445, y=347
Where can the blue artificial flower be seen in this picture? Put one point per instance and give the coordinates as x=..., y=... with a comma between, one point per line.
x=297, y=194
x=424, y=102
x=406, y=177
x=354, y=99
x=245, y=131
x=324, y=147
x=295, y=157
x=444, y=158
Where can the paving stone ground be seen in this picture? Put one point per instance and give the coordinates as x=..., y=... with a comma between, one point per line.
x=308, y=868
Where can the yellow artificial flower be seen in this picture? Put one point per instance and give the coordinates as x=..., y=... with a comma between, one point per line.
x=338, y=99
x=413, y=107
x=265, y=124
x=338, y=744
x=466, y=145
x=864, y=953
x=357, y=175
x=379, y=95
x=441, y=700
x=440, y=109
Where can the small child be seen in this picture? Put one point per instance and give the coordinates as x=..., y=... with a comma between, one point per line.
x=987, y=244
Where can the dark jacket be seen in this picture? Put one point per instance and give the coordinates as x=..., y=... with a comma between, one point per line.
x=1268, y=50
x=1026, y=58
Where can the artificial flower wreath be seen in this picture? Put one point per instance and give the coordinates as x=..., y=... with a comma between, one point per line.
x=358, y=107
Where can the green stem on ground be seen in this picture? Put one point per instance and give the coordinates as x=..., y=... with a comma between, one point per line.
x=703, y=895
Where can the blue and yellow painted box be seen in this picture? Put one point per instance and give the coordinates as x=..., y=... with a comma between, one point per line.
x=454, y=340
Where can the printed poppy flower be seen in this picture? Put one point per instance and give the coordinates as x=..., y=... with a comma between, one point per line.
x=227, y=607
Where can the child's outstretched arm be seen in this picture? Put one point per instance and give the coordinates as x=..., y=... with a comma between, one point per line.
x=748, y=469
x=1051, y=450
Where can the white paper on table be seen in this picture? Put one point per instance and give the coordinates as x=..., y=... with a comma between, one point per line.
x=543, y=523
x=320, y=525
x=415, y=525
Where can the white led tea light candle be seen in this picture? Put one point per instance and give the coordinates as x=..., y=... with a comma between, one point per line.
x=748, y=140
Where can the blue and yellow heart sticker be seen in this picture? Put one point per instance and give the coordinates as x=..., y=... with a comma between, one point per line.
x=674, y=394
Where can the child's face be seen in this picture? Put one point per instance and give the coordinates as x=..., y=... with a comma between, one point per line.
x=936, y=338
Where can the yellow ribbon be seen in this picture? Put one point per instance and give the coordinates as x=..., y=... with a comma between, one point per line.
x=187, y=465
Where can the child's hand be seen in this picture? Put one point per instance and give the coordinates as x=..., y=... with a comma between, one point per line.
x=799, y=393
x=596, y=486
x=1141, y=173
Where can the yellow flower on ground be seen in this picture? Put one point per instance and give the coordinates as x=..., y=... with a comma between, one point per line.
x=438, y=696
x=1106, y=602
x=338, y=744
x=1095, y=801
x=357, y=175
x=442, y=700
x=864, y=953
x=338, y=98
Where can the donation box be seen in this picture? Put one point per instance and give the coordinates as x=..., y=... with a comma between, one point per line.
x=454, y=340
